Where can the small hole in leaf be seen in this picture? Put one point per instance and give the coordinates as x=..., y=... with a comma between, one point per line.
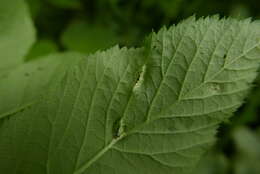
x=119, y=128
x=116, y=127
x=137, y=78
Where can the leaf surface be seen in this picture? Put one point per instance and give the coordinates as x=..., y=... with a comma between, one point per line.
x=153, y=110
x=24, y=85
x=17, y=33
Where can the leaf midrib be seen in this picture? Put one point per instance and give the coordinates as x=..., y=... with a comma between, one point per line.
x=114, y=141
x=99, y=154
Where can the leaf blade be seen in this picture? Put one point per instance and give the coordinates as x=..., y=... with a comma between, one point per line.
x=16, y=31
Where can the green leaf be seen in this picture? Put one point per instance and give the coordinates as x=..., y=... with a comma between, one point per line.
x=24, y=85
x=152, y=110
x=247, y=142
x=88, y=38
x=42, y=48
x=73, y=96
x=16, y=33
x=247, y=157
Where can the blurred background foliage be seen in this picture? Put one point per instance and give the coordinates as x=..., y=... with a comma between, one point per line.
x=90, y=25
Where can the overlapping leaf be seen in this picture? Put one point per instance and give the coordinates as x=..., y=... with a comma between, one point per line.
x=24, y=85
x=16, y=33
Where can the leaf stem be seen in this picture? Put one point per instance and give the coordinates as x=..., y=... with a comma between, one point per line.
x=99, y=154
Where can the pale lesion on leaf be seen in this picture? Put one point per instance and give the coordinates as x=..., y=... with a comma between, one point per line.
x=140, y=78
x=119, y=128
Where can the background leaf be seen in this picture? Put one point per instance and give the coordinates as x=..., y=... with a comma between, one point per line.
x=42, y=48
x=17, y=33
x=23, y=86
x=247, y=144
x=83, y=37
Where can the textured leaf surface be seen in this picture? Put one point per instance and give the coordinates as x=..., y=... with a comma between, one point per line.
x=24, y=85
x=16, y=33
x=135, y=111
